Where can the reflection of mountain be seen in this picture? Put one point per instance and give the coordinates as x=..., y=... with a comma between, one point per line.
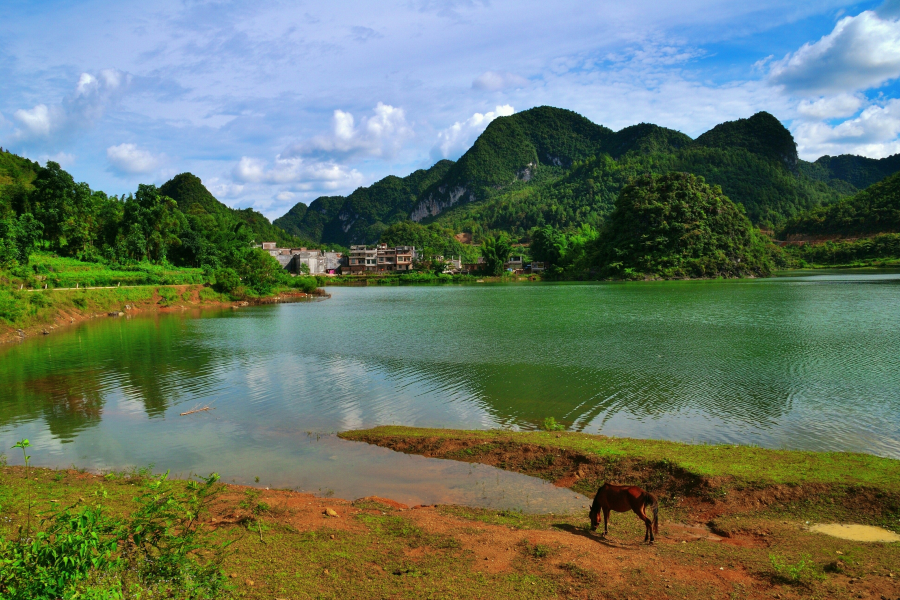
x=524, y=394
x=67, y=379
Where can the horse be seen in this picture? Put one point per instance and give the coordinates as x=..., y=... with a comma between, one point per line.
x=621, y=498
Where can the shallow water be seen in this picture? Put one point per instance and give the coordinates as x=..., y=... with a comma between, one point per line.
x=809, y=362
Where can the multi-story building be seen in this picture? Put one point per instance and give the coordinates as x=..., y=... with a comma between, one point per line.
x=399, y=258
x=380, y=259
x=362, y=260
x=313, y=259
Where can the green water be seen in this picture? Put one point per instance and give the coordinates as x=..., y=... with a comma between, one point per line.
x=801, y=362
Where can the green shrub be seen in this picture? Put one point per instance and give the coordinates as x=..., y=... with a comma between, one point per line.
x=226, y=280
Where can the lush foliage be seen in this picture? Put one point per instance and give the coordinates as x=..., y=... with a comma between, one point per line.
x=677, y=225
x=495, y=251
x=75, y=237
x=156, y=543
x=874, y=210
x=431, y=240
x=878, y=248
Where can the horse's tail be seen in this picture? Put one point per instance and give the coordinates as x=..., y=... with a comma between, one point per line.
x=654, y=505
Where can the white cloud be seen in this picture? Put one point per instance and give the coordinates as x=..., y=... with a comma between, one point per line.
x=456, y=139
x=831, y=107
x=86, y=104
x=380, y=135
x=284, y=196
x=128, y=159
x=301, y=174
x=493, y=81
x=860, y=53
x=873, y=133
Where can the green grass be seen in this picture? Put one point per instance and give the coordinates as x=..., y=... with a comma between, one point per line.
x=61, y=272
x=750, y=464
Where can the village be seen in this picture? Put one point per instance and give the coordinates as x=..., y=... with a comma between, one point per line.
x=366, y=260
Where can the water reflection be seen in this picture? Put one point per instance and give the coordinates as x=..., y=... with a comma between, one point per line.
x=810, y=362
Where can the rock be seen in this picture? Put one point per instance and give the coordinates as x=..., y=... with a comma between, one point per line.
x=331, y=512
x=250, y=582
x=325, y=572
x=332, y=536
x=45, y=332
x=234, y=576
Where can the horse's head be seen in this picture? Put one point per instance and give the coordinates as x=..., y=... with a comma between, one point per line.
x=595, y=517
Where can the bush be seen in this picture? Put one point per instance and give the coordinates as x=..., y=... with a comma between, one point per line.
x=157, y=543
x=226, y=280
x=11, y=303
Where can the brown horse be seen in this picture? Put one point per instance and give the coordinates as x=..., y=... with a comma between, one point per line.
x=622, y=498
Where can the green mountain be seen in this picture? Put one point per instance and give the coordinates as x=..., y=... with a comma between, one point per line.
x=677, y=225
x=850, y=172
x=550, y=166
x=361, y=217
x=874, y=210
x=192, y=197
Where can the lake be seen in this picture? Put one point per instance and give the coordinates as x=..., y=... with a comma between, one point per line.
x=810, y=361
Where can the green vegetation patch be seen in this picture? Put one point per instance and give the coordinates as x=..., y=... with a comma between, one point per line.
x=749, y=464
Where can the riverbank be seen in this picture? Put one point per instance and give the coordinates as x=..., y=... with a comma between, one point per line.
x=46, y=311
x=735, y=526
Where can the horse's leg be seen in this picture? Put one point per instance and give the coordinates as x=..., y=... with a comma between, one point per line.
x=605, y=520
x=639, y=511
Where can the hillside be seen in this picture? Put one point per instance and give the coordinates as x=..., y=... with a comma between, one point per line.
x=851, y=172
x=550, y=166
x=362, y=216
x=16, y=177
x=677, y=225
x=192, y=197
x=874, y=210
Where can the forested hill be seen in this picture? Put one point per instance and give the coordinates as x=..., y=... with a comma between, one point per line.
x=874, y=210
x=550, y=166
x=364, y=214
x=192, y=197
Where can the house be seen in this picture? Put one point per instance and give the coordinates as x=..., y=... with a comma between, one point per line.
x=516, y=264
x=399, y=258
x=314, y=261
x=380, y=259
x=362, y=259
x=334, y=262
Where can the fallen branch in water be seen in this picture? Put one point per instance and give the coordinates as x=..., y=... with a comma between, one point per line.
x=196, y=410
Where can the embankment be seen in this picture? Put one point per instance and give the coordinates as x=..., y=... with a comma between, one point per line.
x=709, y=482
x=41, y=312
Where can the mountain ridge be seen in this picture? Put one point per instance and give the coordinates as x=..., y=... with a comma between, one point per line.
x=528, y=169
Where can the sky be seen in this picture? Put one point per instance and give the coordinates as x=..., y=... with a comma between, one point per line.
x=274, y=103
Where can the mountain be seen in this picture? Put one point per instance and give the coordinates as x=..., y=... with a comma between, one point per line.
x=192, y=197
x=874, y=210
x=762, y=135
x=514, y=149
x=674, y=226
x=550, y=166
x=361, y=217
x=858, y=171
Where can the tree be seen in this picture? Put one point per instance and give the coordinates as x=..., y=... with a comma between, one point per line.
x=495, y=251
x=18, y=238
x=677, y=225
x=152, y=224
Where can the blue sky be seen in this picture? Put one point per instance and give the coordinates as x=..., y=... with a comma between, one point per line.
x=273, y=103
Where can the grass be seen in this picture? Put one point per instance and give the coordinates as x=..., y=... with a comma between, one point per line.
x=747, y=464
x=375, y=551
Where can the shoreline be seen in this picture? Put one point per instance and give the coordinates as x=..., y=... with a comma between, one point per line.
x=290, y=544
x=128, y=301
